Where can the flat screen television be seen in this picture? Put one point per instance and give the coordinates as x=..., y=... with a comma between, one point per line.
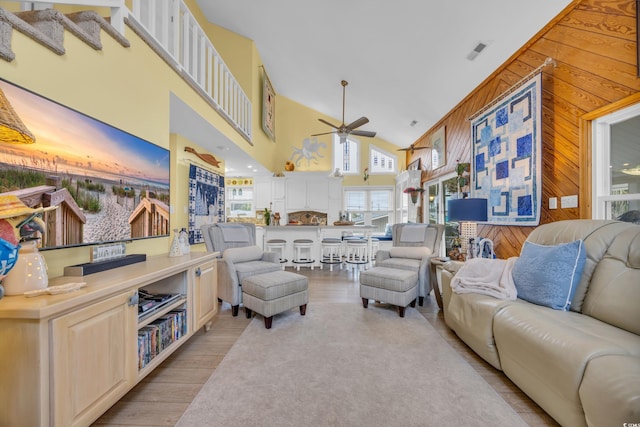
x=98, y=183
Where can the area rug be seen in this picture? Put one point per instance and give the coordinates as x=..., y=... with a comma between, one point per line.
x=343, y=365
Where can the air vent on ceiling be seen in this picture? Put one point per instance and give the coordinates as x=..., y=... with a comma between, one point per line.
x=476, y=51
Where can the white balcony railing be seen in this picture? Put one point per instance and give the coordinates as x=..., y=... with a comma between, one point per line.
x=176, y=31
x=171, y=28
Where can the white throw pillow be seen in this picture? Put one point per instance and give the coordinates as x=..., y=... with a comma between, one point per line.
x=413, y=252
x=243, y=254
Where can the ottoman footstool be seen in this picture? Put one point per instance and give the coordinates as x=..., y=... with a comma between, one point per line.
x=272, y=293
x=390, y=285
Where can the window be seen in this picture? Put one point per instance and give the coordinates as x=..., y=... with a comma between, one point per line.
x=346, y=157
x=370, y=206
x=239, y=202
x=439, y=192
x=616, y=163
x=382, y=162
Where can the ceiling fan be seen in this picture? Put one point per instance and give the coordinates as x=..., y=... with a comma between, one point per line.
x=412, y=148
x=345, y=130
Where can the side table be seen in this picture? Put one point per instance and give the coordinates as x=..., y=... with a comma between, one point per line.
x=434, y=264
x=433, y=278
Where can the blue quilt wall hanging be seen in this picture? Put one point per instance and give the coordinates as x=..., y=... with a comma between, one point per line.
x=206, y=201
x=507, y=156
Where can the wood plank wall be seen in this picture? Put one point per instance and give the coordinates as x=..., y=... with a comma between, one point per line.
x=594, y=45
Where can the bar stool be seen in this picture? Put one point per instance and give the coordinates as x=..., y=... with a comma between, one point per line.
x=375, y=247
x=277, y=245
x=331, y=252
x=302, y=250
x=356, y=252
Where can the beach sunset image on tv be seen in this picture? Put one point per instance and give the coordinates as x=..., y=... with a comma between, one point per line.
x=107, y=185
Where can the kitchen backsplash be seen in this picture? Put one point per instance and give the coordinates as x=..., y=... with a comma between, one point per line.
x=307, y=218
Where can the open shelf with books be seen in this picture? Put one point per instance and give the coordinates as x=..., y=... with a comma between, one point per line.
x=163, y=319
x=159, y=335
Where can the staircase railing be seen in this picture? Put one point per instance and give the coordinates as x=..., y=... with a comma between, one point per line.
x=172, y=28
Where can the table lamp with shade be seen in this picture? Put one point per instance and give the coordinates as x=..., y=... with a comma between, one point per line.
x=468, y=212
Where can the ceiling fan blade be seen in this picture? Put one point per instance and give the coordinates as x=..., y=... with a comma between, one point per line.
x=412, y=148
x=363, y=133
x=325, y=133
x=356, y=124
x=330, y=124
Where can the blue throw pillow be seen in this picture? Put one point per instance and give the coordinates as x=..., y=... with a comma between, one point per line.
x=549, y=275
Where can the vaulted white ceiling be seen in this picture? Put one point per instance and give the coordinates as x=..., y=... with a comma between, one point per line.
x=405, y=60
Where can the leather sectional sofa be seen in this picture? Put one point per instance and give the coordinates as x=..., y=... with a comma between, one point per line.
x=582, y=366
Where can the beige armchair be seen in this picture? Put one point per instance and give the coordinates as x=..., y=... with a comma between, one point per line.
x=240, y=258
x=413, y=247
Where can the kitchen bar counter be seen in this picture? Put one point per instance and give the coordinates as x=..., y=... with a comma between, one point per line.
x=331, y=227
x=316, y=233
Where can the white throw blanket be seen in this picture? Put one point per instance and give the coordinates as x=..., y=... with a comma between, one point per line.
x=486, y=276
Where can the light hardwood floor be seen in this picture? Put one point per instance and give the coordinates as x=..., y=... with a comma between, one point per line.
x=162, y=397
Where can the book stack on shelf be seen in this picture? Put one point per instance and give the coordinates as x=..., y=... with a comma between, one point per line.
x=160, y=334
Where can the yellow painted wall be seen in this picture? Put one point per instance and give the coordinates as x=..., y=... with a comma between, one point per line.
x=132, y=96
x=129, y=88
x=300, y=122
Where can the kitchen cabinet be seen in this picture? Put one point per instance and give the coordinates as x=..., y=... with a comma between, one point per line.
x=263, y=193
x=205, y=299
x=307, y=193
x=278, y=197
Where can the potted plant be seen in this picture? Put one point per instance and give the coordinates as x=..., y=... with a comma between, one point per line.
x=462, y=179
x=413, y=192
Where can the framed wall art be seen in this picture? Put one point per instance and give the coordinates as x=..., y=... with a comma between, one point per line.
x=438, y=149
x=268, y=107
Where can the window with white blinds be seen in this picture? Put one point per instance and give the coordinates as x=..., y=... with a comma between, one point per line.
x=370, y=205
x=381, y=162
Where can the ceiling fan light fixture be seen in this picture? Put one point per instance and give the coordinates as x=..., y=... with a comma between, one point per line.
x=344, y=130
